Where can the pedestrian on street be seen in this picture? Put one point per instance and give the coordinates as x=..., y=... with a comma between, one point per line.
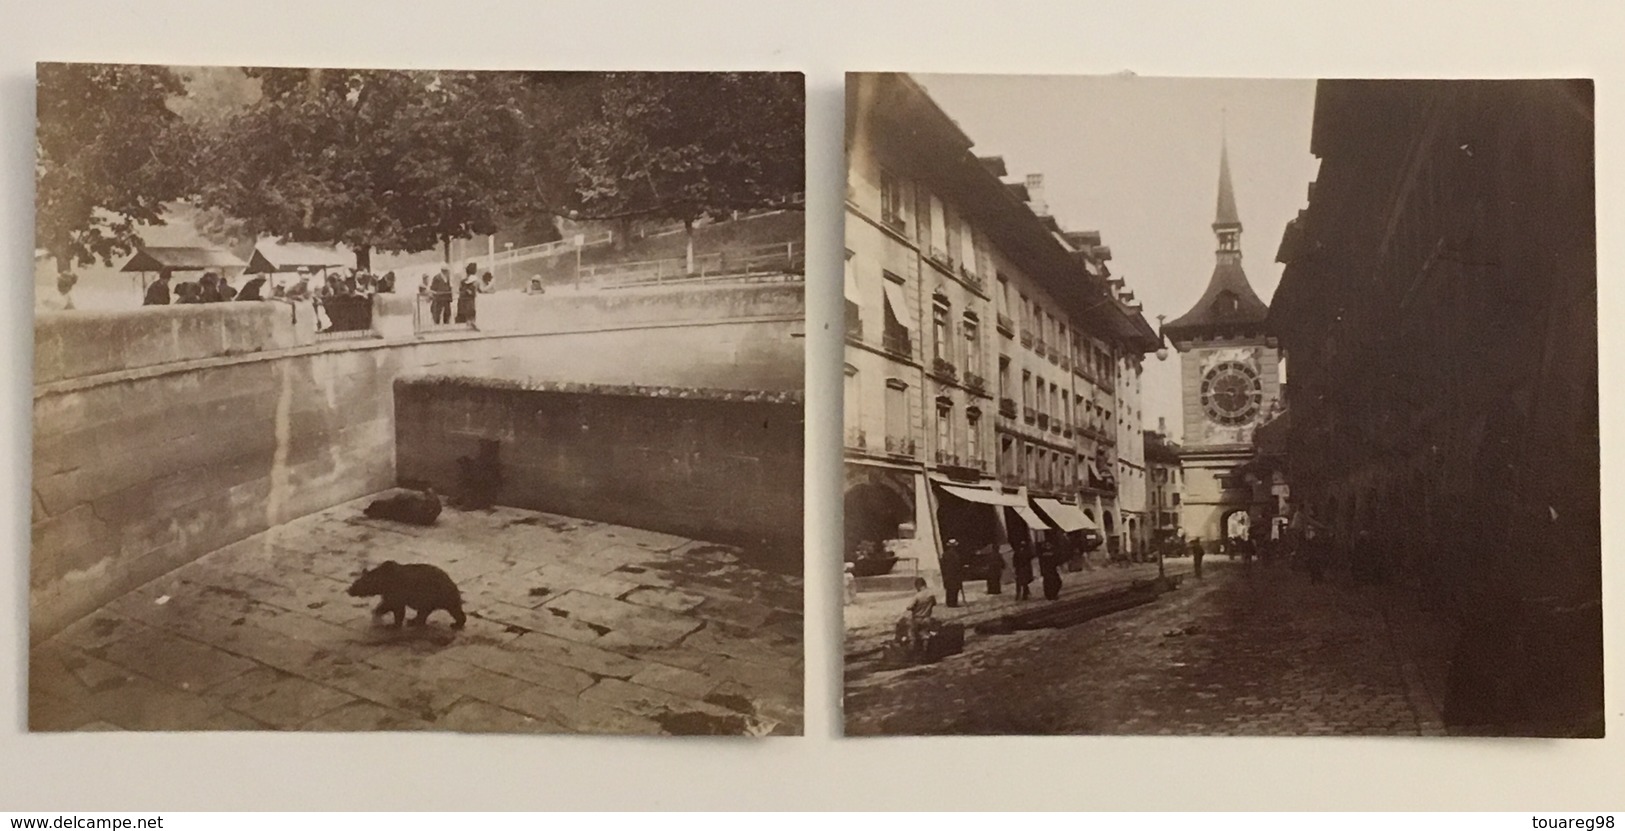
x=1196, y=557
x=1049, y=567
x=1021, y=554
x=953, y=574
x=1316, y=548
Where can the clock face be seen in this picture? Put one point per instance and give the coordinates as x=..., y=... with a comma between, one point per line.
x=1232, y=393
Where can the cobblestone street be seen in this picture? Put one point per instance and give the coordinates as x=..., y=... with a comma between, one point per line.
x=574, y=626
x=1259, y=651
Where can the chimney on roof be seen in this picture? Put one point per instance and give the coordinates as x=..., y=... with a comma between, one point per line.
x=1035, y=194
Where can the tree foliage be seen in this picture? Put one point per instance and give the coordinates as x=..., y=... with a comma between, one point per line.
x=108, y=155
x=680, y=146
x=393, y=160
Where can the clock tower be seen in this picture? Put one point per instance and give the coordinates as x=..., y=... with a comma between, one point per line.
x=1230, y=372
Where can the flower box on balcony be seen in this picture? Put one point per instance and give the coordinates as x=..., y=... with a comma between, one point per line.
x=1043, y=421
x=975, y=383
x=1027, y=414
x=1007, y=407
x=948, y=459
x=1041, y=347
x=1027, y=339
x=944, y=368
x=1006, y=326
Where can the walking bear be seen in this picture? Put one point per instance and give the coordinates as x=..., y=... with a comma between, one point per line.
x=423, y=587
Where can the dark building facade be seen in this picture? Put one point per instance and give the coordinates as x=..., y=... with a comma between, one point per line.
x=1438, y=314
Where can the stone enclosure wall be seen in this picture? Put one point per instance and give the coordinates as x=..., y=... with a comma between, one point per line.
x=162, y=434
x=704, y=464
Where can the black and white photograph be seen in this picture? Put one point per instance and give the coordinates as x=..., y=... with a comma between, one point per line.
x=388, y=400
x=1204, y=406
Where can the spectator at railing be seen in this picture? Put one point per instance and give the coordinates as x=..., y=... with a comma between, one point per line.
x=158, y=293
x=254, y=289
x=467, y=290
x=440, y=296
x=188, y=292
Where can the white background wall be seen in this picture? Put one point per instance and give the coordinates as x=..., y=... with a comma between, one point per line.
x=1264, y=38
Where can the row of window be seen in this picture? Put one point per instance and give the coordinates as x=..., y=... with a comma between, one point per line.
x=948, y=239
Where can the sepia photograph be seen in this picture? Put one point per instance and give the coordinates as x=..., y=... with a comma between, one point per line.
x=1114, y=466
x=377, y=400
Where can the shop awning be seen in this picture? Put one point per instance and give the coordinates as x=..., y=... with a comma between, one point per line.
x=894, y=296
x=985, y=496
x=1067, y=517
x=1031, y=517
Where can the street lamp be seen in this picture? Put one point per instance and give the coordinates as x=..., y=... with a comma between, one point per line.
x=1162, y=351
x=509, y=250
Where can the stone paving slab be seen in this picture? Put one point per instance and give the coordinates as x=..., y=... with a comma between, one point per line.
x=574, y=626
x=1255, y=651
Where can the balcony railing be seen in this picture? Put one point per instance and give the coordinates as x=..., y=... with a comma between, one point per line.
x=1027, y=414
x=1055, y=425
x=854, y=321
x=898, y=342
x=974, y=463
x=1066, y=362
x=974, y=382
x=1006, y=326
x=1066, y=432
x=944, y=259
x=944, y=368
x=1026, y=338
x=1009, y=478
x=1043, y=421
x=856, y=439
x=1007, y=407
x=946, y=458
x=901, y=446
x=1041, y=347
x=1055, y=355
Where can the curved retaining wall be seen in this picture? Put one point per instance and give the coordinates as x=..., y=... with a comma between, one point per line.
x=162, y=434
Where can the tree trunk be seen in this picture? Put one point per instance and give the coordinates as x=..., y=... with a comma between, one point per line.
x=363, y=257
x=688, y=231
x=445, y=249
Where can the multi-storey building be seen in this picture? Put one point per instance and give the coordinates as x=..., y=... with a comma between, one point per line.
x=1165, y=484
x=1438, y=311
x=985, y=346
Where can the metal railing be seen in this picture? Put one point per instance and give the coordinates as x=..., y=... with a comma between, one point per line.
x=344, y=317
x=437, y=311
x=1007, y=407
x=782, y=259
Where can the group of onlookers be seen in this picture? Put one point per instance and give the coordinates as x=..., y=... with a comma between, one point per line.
x=437, y=289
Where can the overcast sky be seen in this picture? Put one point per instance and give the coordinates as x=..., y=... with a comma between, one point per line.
x=1138, y=160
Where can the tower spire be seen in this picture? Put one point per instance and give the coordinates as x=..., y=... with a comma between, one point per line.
x=1226, y=216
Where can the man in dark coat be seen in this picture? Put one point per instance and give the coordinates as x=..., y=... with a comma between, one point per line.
x=158, y=292
x=953, y=573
